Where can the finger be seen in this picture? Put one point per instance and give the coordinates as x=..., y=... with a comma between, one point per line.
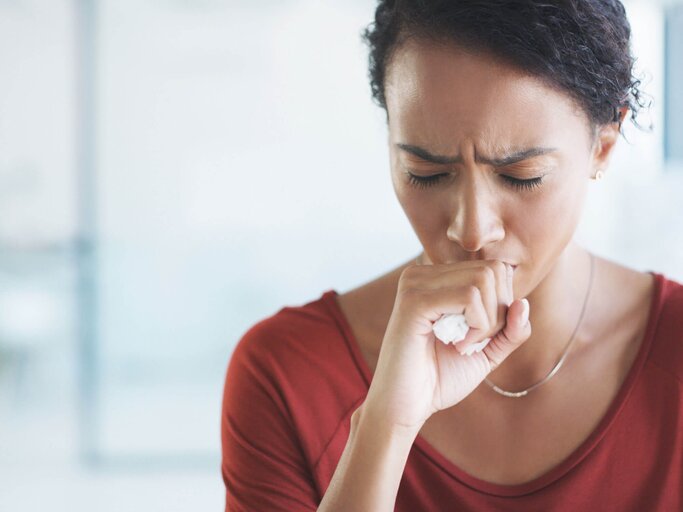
x=491, y=281
x=445, y=267
x=487, y=282
x=490, y=276
x=504, y=296
x=510, y=281
x=517, y=330
x=432, y=304
x=484, y=276
x=501, y=271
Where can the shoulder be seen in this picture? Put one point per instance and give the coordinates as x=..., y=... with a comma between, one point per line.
x=284, y=335
x=300, y=354
x=294, y=367
x=271, y=428
x=667, y=350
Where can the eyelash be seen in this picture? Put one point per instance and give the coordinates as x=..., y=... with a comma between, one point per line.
x=428, y=181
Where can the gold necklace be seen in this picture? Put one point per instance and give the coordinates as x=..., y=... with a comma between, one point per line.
x=517, y=394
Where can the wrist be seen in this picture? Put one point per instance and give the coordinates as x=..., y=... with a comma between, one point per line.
x=368, y=416
x=370, y=469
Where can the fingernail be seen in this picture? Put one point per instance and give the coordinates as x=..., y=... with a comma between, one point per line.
x=525, y=311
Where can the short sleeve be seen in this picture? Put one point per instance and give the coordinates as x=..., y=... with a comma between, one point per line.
x=263, y=466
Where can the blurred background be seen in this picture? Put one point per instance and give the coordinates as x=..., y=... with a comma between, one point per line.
x=172, y=171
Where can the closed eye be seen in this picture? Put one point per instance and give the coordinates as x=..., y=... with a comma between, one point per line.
x=428, y=181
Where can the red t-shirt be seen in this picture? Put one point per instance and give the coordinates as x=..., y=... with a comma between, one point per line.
x=296, y=377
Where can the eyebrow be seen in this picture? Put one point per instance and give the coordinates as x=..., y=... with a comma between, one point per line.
x=512, y=158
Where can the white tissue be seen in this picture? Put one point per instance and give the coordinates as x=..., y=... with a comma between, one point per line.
x=453, y=328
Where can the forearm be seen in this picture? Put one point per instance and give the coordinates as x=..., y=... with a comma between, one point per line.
x=370, y=468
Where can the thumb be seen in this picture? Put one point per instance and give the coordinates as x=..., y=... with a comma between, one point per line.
x=516, y=331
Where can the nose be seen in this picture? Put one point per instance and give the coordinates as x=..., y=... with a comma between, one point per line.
x=476, y=218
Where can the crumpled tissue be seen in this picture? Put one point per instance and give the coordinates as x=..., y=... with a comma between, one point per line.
x=453, y=328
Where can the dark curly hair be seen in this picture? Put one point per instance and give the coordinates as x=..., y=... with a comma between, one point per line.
x=580, y=46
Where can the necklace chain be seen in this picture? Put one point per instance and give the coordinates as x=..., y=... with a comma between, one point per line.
x=517, y=394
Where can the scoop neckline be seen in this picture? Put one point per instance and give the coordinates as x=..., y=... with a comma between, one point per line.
x=583, y=450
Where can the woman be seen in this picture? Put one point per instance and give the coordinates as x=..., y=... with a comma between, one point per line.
x=499, y=114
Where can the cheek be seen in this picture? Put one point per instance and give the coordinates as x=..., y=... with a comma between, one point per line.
x=549, y=220
x=562, y=208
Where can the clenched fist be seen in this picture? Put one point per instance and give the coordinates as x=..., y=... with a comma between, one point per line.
x=417, y=374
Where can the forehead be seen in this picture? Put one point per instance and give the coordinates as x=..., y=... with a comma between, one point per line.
x=439, y=94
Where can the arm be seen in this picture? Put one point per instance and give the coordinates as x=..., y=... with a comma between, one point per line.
x=263, y=467
x=399, y=401
x=370, y=468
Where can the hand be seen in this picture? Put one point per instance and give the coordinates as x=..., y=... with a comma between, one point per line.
x=417, y=374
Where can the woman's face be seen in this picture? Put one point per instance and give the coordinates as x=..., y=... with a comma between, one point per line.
x=505, y=158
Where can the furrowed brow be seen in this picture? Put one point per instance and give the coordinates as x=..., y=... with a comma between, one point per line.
x=516, y=156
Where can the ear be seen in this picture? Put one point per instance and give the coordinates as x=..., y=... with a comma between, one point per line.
x=605, y=141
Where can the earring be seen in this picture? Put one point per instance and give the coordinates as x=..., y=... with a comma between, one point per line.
x=598, y=175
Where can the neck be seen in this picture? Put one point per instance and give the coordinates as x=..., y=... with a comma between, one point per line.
x=556, y=302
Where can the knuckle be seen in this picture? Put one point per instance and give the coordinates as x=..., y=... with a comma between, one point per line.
x=488, y=332
x=507, y=339
x=407, y=272
x=481, y=277
x=499, y=267
x=409, y=277
x=488, y=275
x=409, y=293
x=473, y=293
